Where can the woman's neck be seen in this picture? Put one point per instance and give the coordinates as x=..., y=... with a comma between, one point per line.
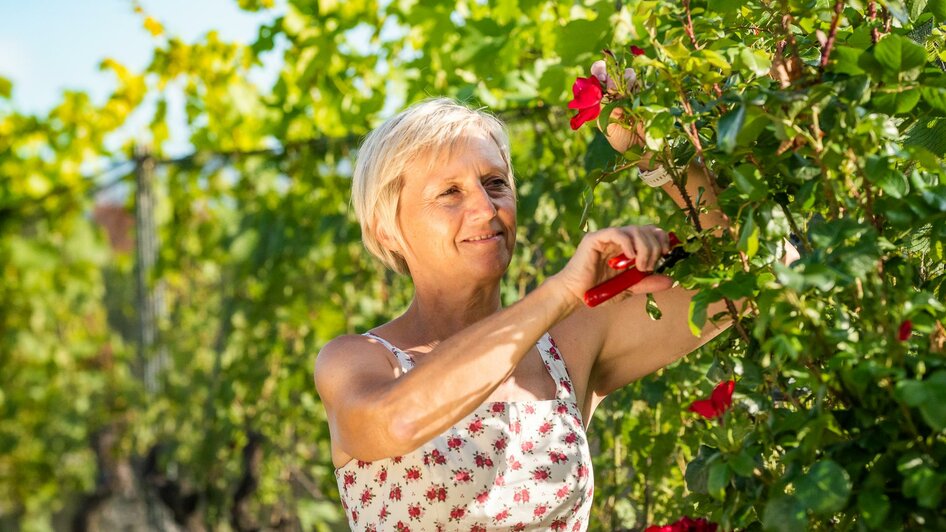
x=436, y=315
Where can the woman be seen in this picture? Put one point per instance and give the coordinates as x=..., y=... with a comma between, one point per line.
x=460, y=414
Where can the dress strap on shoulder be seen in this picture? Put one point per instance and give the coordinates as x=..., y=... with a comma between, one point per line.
x=405, y=360
x=555, y=363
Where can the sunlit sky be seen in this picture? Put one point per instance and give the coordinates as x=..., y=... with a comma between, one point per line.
x=50, y=45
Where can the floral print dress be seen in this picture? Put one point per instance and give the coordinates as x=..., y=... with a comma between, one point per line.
x=520, y=465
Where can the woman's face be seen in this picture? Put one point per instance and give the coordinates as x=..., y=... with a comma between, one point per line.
x=458, y=215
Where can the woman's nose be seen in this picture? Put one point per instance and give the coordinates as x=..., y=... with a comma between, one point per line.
x=482, y=205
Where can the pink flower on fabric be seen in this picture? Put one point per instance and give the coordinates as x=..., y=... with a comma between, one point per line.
x=521, y=495
x=476, y=426
x=587, y=100
x=415, y=511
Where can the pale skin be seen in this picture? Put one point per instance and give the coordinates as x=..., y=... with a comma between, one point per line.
x=467, y=347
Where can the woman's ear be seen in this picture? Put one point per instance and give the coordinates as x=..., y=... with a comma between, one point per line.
x=388, y=241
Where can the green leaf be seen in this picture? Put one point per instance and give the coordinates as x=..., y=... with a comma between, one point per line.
x=696, y=317
x=874, y=507
x=938, y=9
x=582, y=37
x=916, y=8
x=697, y=471
x=743, y=463
x=718, y=479
x=935, y=96
x=921, y=479
x=600, y=154
x=749, y=236
x=724, y=7
x=895, y=103
x=825, y=489
x=749, y=182
x=899, y=54
x=729, y=126
x=658, y=129
x=893, y=182
x=934, y=409
x=784, y=513
x=845, y=59
x=928, y=395
x=753, y=60
x=899, y=10
x=652, y=309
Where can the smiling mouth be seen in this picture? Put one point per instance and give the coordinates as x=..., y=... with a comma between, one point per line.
x=482, y=237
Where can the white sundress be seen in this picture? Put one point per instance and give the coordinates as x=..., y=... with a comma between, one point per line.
x=520, y=465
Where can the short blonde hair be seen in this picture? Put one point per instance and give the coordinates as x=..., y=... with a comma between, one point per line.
x=424, y=129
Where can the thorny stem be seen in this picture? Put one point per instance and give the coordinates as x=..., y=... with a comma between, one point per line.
x=787, y=27
x=695, y=218
x=872, y=13
x=678, y=182
x=694, y=137
x=875, y=220
x=736, y=323
x=791, y=222
x=829, y=44
x=688, y=25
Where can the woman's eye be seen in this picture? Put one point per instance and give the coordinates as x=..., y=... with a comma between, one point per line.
x=498, y=182
x=449, y=192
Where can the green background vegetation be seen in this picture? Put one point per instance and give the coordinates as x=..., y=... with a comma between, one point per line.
x=818, y=119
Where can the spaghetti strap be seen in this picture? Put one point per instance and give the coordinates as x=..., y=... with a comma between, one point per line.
x=404, y=359
x=555, y=364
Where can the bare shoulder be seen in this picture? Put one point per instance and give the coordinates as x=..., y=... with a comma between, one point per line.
x=352, y=362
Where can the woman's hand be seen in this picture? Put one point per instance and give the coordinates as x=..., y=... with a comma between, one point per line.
x=588, y=266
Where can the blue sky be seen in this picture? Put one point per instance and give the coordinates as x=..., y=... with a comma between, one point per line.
x=50, y=45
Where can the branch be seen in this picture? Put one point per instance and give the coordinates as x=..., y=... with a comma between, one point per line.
x=688, y=25
x=872, y=14
x=829, y=44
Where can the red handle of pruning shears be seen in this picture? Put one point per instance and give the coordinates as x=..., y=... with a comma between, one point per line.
x=621, y=282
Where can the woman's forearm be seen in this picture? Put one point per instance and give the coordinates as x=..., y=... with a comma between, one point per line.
x=471, y=364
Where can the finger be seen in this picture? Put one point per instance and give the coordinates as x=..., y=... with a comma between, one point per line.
x=664, y=238
x=652, y=283
x=656, y=249
x=626, y=242
x=646, y=245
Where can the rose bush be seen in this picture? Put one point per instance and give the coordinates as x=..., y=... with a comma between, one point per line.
x=825, y=127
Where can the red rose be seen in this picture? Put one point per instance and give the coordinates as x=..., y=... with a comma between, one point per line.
x=587, y=100
x=718, y=403
x=905, y=329
x=637, y=50
x=685, y=524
